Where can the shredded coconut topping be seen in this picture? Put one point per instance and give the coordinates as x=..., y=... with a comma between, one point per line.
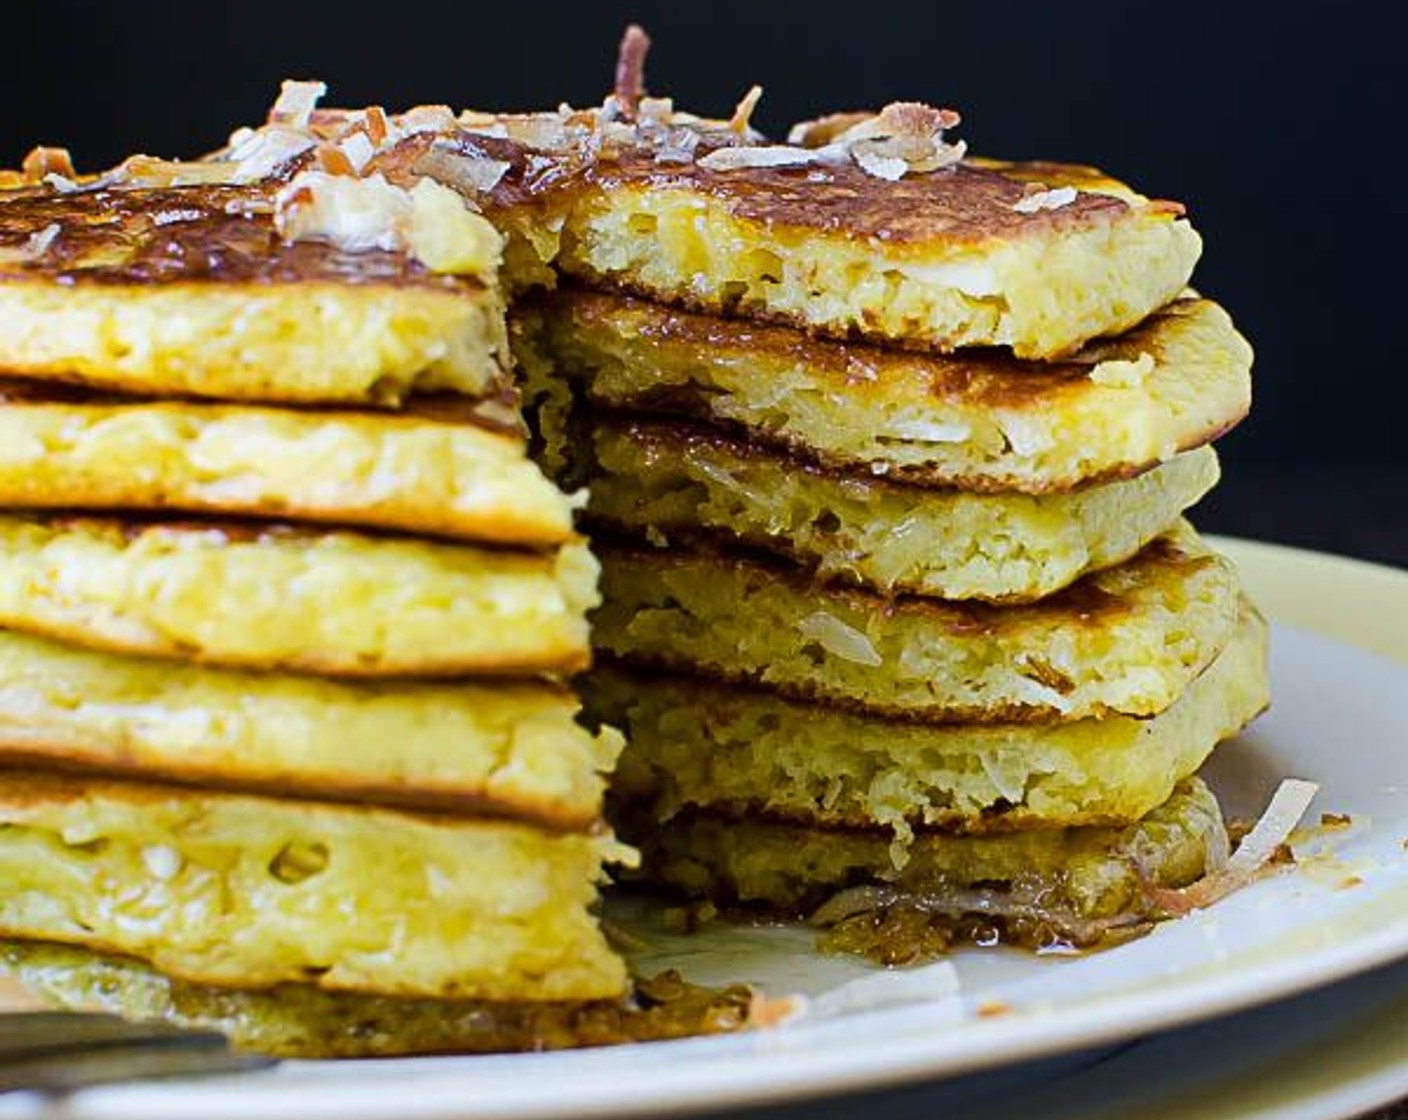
x=430, y=222
x=1043, y=199
x=296, y=102
x=42, y=162
x=767, y=155
x=38, y=243
x=743, y=113
x=1285, y=810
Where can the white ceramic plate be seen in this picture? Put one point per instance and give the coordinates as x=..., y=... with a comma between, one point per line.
x=1340, y=718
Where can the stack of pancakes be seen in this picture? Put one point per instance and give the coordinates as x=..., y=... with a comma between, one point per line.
x=901, y=619
x=285, y=617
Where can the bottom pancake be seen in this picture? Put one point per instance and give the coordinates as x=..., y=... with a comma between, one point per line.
x=743, y=752
x=301, y=1021
x=1075, y=886
x=251, y=892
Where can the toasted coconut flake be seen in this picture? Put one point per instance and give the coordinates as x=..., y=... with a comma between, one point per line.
x=295, y=104
x=766, y=155
x=334, y=161
x=824, y=130
x=630, y=70
x=742, y=117
x=872, y=162
x=766, y=1012
x=38, y=243
x=1255, y=852
x=1041, y=199
x=468, y=174
x=43, y=162
x=265, y=153
x=378, y=128
x=904, y=137
x=426, y=118
x=358, y=150
x=840, y=639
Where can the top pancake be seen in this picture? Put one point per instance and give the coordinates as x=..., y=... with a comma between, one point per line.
x=932, y=261
x=192, y=291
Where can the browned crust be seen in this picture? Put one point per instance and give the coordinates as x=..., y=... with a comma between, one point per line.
x=439, y=799
x=673, y=434
x=138, y=505
x=562, y=660
x=1084, y=602
x=978, y=378
x=819, y=697
x=493, y=413
x=964, y=204
x=202, y=234
x=55, y=780
x=130, y=526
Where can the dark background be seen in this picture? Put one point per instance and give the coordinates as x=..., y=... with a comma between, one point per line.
x=1281, y=126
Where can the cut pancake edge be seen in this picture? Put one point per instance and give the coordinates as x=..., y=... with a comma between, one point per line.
x=1126, y=640
x=979, y=421
x=687, y=488
x=747, y=754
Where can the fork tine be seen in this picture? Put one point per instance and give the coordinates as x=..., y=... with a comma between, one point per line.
x=56, y=1052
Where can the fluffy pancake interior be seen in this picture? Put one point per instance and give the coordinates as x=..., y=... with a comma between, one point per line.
x=1127, y=640
x=328, y=602
x=746, y=752
x=251, y=892
x=976, y=420
x=505, y=748
x=666, y=481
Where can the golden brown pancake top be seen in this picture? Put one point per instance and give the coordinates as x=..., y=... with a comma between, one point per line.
x=148, y=236
x=967, y=203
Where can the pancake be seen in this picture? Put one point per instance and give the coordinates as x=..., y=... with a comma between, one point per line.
x=670, y=480
x=191, y=291
x=941, y=260
x=979, y=421
x=428, y=472
x=254, y=596
x=1038, y=257
x=1074, y=886
x=252, y=892
x=300, y=1021
x=1125, y=641
x=749, y=754
x=503, y=748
